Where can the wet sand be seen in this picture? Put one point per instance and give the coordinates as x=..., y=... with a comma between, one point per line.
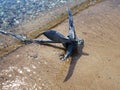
x=95, y=67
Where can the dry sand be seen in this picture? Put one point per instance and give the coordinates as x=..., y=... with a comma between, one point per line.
x=37, y=67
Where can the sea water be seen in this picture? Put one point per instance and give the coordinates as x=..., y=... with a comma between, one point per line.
x=15, y=12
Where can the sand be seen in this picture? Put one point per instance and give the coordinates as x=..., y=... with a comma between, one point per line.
x=95, y=67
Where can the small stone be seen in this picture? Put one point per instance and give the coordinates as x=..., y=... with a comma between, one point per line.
x=82, y=22
x=20, y=71
x=10, y=75
x=39, y=62
x=33, y=67
x=34, y=72
x=43, y=84
x=29, y=57
x=40, y=87
x=17, y=56
x=1, y=44
x=45, y=63
x=27, y=69
x=34, y=56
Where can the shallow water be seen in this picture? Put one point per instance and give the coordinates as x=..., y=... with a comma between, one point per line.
x=15, y=12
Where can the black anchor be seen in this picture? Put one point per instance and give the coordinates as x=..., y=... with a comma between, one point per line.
x=71, y=42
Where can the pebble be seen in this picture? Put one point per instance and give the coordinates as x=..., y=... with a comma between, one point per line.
x=27, y=69
x=20, y=71
x=45, y=63
x=39, y=79
x=40, y=87
x=1, y=44
x=35, y=56
x=43, y=84
x=10, y=75
x=34, y=72
x=39, y=62
x=17, y=56
x=33, y=66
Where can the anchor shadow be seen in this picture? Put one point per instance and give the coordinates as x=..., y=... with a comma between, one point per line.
x=74, y=59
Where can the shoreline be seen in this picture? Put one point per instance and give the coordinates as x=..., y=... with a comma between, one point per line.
x=96, y=67
x=33, y=29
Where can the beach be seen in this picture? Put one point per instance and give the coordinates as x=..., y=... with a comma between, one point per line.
x=95, y=67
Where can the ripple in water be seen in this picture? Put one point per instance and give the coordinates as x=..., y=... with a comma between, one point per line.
x=15, y=12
